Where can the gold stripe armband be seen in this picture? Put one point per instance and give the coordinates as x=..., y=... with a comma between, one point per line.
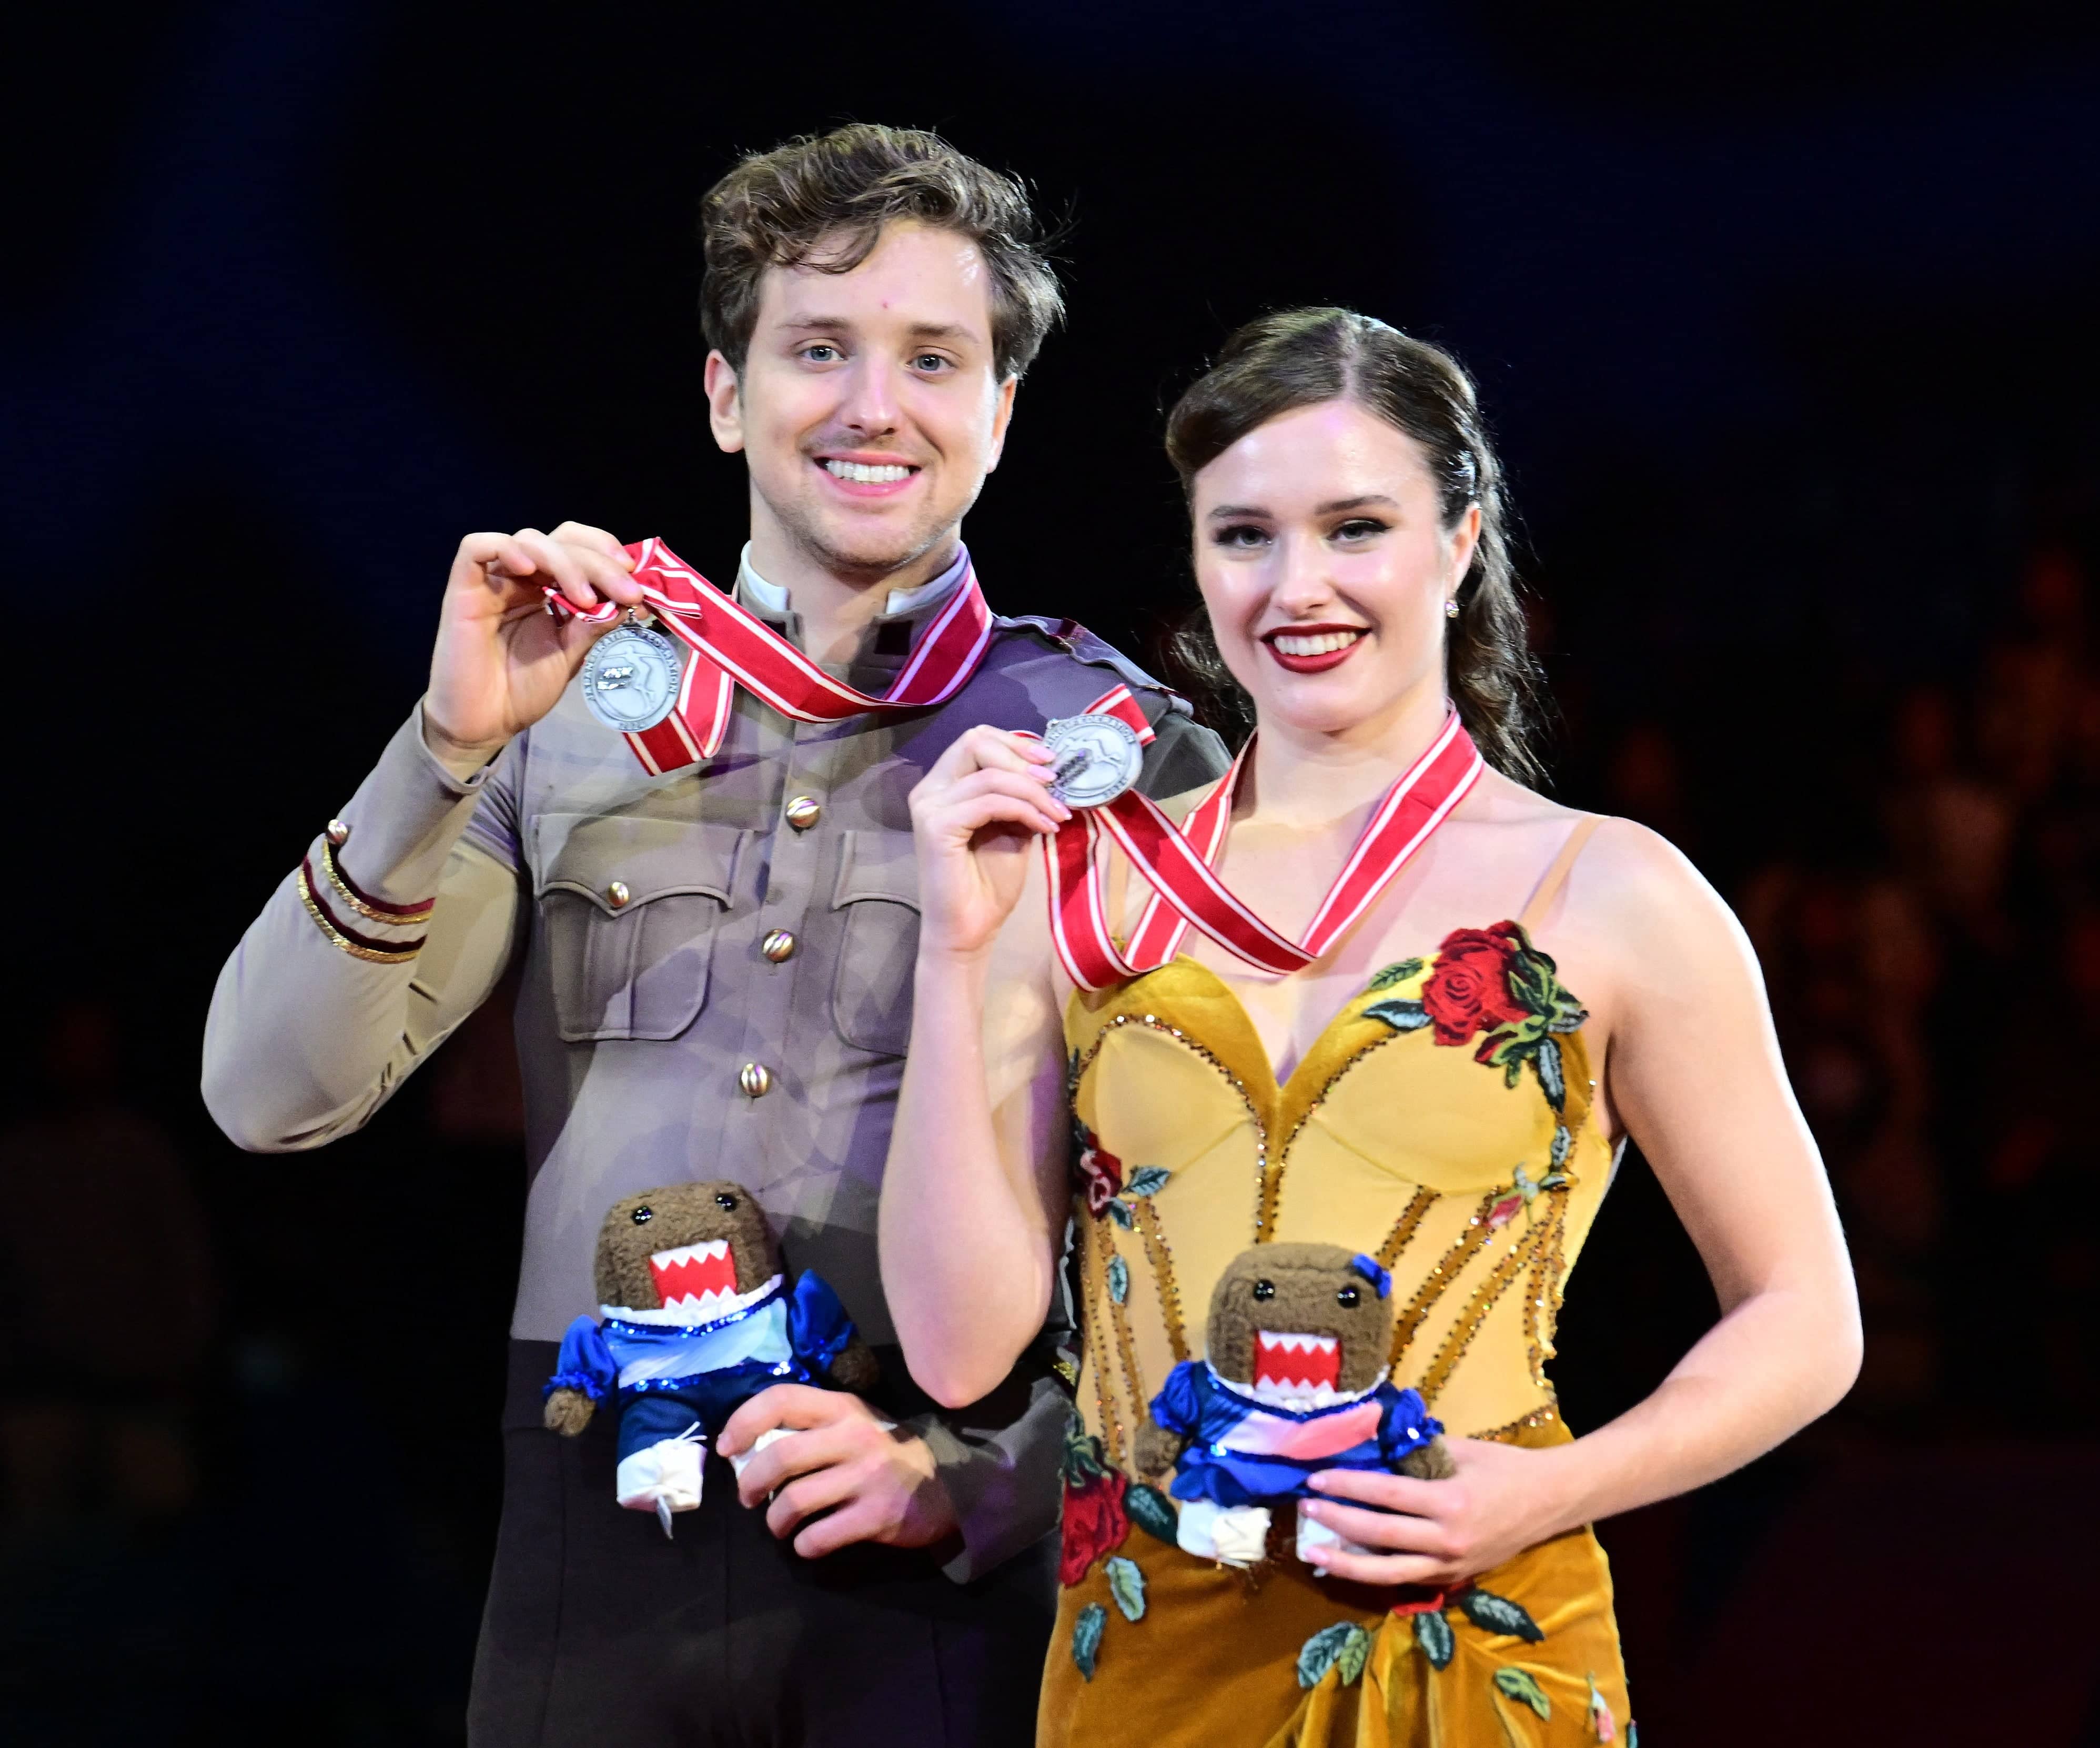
x=357, y=946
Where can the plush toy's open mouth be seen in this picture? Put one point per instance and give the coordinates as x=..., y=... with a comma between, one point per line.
x=697, y=1279
x=1294, y=1365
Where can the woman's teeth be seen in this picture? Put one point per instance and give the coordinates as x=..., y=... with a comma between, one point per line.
x=1326, y=643
x=861, y=473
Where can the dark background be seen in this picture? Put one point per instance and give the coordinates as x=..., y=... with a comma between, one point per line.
x=1785, y=316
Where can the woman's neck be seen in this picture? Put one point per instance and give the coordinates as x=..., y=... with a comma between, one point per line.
x=1307, y=780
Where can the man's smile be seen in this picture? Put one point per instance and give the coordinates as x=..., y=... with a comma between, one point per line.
x=868, y=475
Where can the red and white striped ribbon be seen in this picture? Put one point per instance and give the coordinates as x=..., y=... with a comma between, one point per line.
x=1175, y=861
x=729, y=647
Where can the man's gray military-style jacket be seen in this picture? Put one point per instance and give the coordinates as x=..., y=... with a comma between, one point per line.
x=717, y=970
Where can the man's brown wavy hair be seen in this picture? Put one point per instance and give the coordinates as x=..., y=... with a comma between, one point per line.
x=822, y=201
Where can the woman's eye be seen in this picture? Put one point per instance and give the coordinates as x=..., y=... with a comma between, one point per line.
x=1361, y=529
x=1244, y=535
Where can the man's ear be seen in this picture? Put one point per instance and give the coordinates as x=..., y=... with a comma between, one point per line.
x=725, y=403
x=1002, y=416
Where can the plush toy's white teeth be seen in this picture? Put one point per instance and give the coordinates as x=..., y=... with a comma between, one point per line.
x=712, y=1250
x=1291, y=1342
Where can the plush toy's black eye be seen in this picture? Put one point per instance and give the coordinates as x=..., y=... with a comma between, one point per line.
x=643, y=1215
x=725, y=1200
x=1346, y=1297
x=1265, y=1289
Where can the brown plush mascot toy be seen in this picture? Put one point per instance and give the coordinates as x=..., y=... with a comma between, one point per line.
x=1295, y=1381
x=696, y=1318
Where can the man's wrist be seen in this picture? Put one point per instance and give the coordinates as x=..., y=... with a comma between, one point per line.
x=462, y=758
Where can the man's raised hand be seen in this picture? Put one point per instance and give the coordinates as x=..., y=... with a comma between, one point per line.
x=501, y=661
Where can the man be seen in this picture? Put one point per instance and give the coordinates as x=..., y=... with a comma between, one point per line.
x=716, y=976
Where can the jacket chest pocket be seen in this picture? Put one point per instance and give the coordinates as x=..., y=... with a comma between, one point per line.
x=630, y=909
x=878, y=890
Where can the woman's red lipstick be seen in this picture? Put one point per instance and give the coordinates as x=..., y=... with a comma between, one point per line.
x=1323, y=659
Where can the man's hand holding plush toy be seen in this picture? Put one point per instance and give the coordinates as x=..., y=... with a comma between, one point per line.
x=872, y=1481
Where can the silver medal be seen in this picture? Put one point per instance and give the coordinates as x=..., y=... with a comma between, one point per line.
x=631, y=679
x=1098, y=758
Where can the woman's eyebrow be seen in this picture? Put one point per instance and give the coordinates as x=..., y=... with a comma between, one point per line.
x=1236, y=509
x=1334, y=506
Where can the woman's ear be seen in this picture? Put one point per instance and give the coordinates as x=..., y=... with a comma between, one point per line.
x=1465, y=541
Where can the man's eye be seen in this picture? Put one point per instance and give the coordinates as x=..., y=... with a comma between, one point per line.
x=820, y=353
x=929, y=363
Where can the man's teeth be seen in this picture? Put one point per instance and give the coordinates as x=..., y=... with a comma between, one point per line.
x=861, y=474
x=1323, y=643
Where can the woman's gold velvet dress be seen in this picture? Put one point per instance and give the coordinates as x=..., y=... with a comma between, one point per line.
x=1422, y=1127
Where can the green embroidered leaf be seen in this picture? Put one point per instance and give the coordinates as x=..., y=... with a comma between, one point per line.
x=1531, y=984
x=1518, y=1685
x=1147, y=1508
x=1633, y=1735
x=1084, y=1459
x=1119, y=1212
x=1147, y=1181
x=1570, y=1018
x=1547, y=1062
x=1118, y=1279
x=1399, y=973
x=1498, y=1614
x=1401, y=1016
x=1356, y=1653
x=1086, y=1638
x=1554, y=1180
x=1126, y=1585
x=1563, y=1142
x=1320, y=1652
x=1513, y=1072
x=1433, y=1633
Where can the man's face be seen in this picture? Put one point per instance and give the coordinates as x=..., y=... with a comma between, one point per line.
x=868, y=409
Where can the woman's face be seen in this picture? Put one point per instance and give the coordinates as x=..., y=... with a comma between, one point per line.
x=1325, y=567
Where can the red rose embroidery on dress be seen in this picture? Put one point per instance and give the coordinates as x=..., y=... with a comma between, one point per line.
x=1095, y=1523
x=1469, y=991
x=1103, y=1172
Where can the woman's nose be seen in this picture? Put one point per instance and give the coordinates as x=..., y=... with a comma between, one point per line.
x=1302, y=581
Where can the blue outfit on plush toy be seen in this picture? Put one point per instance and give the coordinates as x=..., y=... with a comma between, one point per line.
x=1242, y=1451
x=677, y=1382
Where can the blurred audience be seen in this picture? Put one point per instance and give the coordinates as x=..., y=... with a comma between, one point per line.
x=1937, y=999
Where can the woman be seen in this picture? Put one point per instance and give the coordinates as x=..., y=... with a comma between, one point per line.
x=1466, y=999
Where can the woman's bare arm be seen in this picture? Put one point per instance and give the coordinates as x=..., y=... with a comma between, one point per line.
x=1693, y=1069
x=974, y=1195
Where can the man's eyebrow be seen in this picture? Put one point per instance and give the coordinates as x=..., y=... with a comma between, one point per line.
x=917, y=330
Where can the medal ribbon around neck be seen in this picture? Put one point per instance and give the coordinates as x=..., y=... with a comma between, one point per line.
x=1175, y=861
x=732, y=647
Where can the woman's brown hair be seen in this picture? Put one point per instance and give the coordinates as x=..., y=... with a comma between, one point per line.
x=1299, y=358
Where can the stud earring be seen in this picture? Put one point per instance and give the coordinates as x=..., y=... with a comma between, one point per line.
x=1450, y=609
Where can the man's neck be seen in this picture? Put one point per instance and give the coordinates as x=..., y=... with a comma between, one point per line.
x=837, y=605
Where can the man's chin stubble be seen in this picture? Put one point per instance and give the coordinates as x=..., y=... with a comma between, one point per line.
x=864, y=564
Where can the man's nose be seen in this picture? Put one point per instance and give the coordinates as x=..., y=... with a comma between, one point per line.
x=869, y=406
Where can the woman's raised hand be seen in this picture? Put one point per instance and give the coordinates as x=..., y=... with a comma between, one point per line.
x=502, y=660
x=973, y=816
